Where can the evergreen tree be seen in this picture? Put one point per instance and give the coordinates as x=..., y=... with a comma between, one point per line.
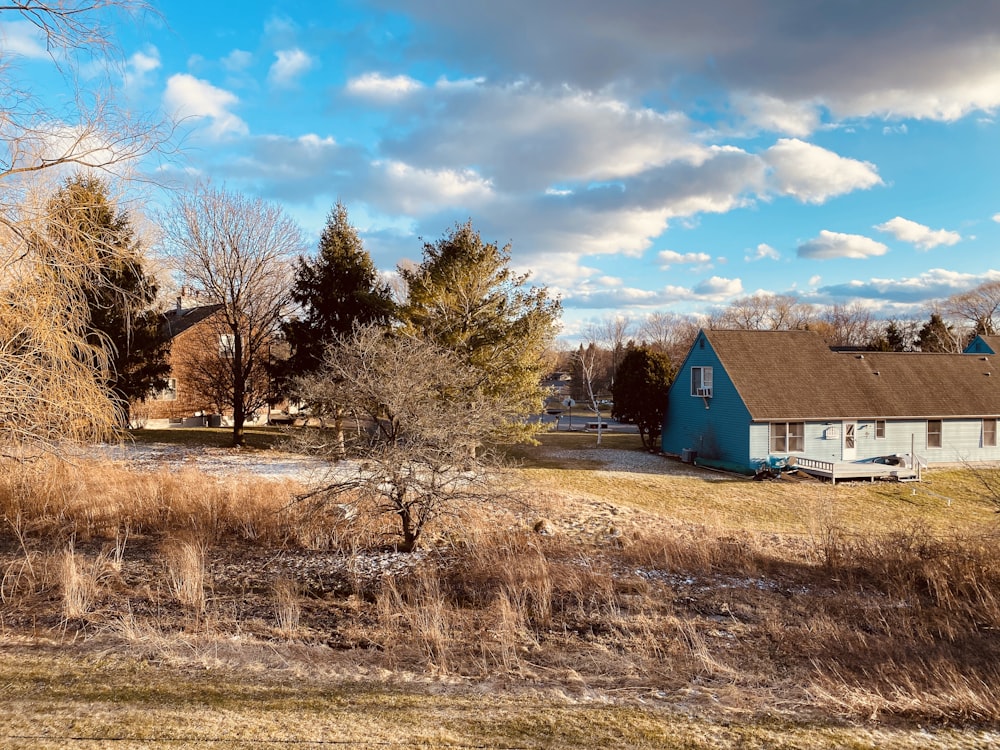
x=891, y=339
x=119, y=294
x=337, y=290
x=465, y=298
x=936, y=336
x=640, y=391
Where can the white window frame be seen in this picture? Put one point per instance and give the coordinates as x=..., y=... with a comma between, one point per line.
x=880, y=429
x=227, y=345
x=989, y=435
x=701, y=384
x=787, y=441
x=939, y=433
x=169, y=392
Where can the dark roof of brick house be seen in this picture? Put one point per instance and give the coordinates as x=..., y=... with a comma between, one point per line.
x=794, y=375
x=177, y=321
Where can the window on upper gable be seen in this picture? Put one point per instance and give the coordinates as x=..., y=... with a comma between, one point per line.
x=701, y=381
x=880, y=429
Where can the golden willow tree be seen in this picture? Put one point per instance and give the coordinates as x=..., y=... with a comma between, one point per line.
x=53, y=372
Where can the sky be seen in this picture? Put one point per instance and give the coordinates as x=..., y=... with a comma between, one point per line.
x=638, y=157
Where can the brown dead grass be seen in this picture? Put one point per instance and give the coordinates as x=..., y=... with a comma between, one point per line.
x=764, y=604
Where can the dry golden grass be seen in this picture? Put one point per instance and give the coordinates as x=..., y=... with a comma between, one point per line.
x=762, y=609
x=947, y=499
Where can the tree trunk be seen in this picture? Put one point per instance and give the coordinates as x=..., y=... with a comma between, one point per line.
x=239, y=391
x=338, y=430
x=409, y=542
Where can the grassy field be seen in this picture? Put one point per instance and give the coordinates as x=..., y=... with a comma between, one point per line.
x=948, y=500
x=618, y=598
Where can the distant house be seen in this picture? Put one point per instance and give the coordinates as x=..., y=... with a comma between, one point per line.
x=984, y=345
x=192, y=331
x=742, y=397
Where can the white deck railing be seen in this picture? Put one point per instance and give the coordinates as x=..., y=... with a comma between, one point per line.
x=814, y=463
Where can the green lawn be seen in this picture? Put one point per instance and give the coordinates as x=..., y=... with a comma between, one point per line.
x=260, y=438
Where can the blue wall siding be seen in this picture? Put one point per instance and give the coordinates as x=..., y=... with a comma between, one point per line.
x=978, y=346
x=721, y=433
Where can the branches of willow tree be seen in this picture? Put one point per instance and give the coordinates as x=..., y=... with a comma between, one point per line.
x=53, y=371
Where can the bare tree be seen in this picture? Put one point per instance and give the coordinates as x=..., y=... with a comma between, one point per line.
x=426, y=417
x=612, y=333
x=669, y=333
x=847, y=325
x=978, y=307
x=53, y=369
x=764, y=312
x=238, y=252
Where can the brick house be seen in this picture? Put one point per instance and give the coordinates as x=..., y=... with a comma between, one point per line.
x=193, y=331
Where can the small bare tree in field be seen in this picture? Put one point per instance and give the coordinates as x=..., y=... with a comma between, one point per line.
x=52, y=368
x=424, y=419
x=238, y=251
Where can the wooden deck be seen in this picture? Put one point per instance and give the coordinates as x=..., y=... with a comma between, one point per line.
x=840, y=470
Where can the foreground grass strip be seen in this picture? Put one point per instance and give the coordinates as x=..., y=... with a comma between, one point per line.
x=59, y=697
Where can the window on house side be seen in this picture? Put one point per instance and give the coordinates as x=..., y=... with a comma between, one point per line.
x=788, y=437
x=701, y=381
x=880, y=429
x=933, y=433
x=170, y=392
x=989, y=432
x=227, y=345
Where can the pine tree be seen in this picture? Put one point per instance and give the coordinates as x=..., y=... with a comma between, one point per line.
x=465, y=298
x=936, y=336
x=119, y=294
x=640, y=391
x=334, y=292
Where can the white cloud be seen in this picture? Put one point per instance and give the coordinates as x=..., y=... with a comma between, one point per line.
x=836, y=245
x=933, y=284
x=771, y=113
x=382, y=88
x=22, y=38
x=415, y=191
x=814, y=280
x=996, y=218
x=813, y=174
x=669, y=257
x=289, y=65
x=190, y=97
x=140, y=64
x=236, y=61
x=923, y=237
x=763, y=251
x=718, y=287
x=526, y=136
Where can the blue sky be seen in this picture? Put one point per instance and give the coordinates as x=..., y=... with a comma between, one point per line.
x=639, y=156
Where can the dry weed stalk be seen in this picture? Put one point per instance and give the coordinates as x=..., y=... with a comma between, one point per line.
x=287, y=609
x=187, y=572
x=80, y=580
x=418, y=609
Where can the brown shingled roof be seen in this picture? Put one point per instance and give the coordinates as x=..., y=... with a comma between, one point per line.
x=178, y=321
x=794, y=375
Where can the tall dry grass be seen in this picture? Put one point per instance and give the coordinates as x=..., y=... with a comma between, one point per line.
x=88, y=500
x=884, y=624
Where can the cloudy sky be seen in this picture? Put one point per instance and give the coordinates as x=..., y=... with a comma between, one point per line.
x=639, y=156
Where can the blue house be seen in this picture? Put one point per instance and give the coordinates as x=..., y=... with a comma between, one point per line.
x=984, y=345
x=743, y=397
